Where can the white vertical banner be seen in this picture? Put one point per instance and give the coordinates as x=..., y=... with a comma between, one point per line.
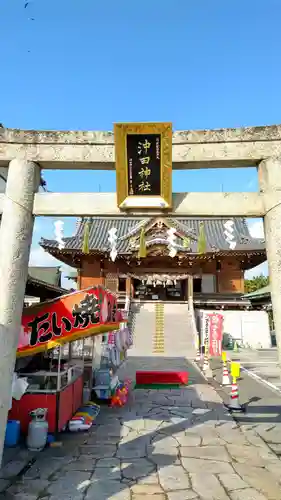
x=205, y=326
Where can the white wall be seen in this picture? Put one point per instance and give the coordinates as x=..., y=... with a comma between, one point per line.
x=249, y=327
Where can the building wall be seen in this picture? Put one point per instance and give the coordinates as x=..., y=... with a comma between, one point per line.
x=225, y=278
x=248, y=327
x=90, y=274
x=230, y=277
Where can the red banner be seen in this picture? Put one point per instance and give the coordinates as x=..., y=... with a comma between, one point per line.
x=71, y=317
x=216, y=333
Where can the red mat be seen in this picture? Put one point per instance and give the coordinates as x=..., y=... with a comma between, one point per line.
x=164, y=377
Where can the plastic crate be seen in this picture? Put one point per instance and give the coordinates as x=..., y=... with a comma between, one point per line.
x=102, y=377
x=102, y=392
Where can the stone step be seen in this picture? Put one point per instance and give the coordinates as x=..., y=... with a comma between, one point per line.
x=155, y=327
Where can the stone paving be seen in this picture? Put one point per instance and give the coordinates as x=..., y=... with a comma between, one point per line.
x=263, y=407
x=174, y=444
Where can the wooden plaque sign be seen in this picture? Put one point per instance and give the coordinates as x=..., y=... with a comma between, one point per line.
x=143, y=158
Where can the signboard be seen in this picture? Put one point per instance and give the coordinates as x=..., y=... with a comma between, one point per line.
x=71, y=317
x=143, y=157
x=216, y=333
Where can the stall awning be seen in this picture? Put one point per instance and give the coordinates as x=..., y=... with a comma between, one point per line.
x=71, y=317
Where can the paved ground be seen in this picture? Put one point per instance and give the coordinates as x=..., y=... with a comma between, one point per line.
x=262, y=404
x=261, y=362
x=170, y=444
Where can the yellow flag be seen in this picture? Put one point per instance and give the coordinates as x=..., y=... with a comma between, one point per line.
x=142, y=248
x=85, y=246
x=201, y=243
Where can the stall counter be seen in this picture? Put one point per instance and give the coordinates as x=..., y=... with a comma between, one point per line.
x=61, y=403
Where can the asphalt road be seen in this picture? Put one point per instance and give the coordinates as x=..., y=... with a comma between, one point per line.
x=261, y=363
x=262, y=403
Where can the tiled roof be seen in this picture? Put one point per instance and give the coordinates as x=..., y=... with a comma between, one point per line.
x=50, y=275
x=131, y=226
x=44, y=282
x=42, y=285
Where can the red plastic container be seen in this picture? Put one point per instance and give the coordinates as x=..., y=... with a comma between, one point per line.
x=163, y=377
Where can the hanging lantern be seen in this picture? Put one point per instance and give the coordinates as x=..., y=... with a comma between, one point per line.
x=86, y=237
x=142, y=248
x=228, y=234
x=59, y=233
x=112, y=238
x=202, y=243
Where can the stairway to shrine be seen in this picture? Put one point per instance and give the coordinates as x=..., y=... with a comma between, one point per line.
x=161, y=328
x=179, y=336
x=159, y=334
x=142, y=323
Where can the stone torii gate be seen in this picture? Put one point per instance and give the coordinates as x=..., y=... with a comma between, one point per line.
x=27, y=152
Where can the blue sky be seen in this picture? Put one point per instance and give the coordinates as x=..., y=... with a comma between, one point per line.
x=84, y=65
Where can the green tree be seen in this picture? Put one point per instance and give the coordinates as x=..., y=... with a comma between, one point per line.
x=256, y=283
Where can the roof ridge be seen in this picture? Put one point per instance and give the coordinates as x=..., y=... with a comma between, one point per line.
x=135, y=229
x=186, y=230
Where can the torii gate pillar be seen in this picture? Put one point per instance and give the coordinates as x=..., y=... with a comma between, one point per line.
x=269, y=171
x=15, y=241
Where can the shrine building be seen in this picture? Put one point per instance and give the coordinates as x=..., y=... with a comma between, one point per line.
x=148, y=266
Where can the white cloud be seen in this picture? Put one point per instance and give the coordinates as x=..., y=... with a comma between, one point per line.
x=257, y=271
x=256, y=229
x=38, y=257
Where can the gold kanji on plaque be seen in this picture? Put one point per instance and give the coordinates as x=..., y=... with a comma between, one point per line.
x=143, y=160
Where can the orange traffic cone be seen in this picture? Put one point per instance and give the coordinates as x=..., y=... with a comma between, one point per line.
x=234, y=405
x=225, y=375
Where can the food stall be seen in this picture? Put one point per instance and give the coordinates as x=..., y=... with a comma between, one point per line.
x=55, y=381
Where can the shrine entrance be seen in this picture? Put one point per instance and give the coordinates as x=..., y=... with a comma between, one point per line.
x=171, y=291
x=165, y=287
